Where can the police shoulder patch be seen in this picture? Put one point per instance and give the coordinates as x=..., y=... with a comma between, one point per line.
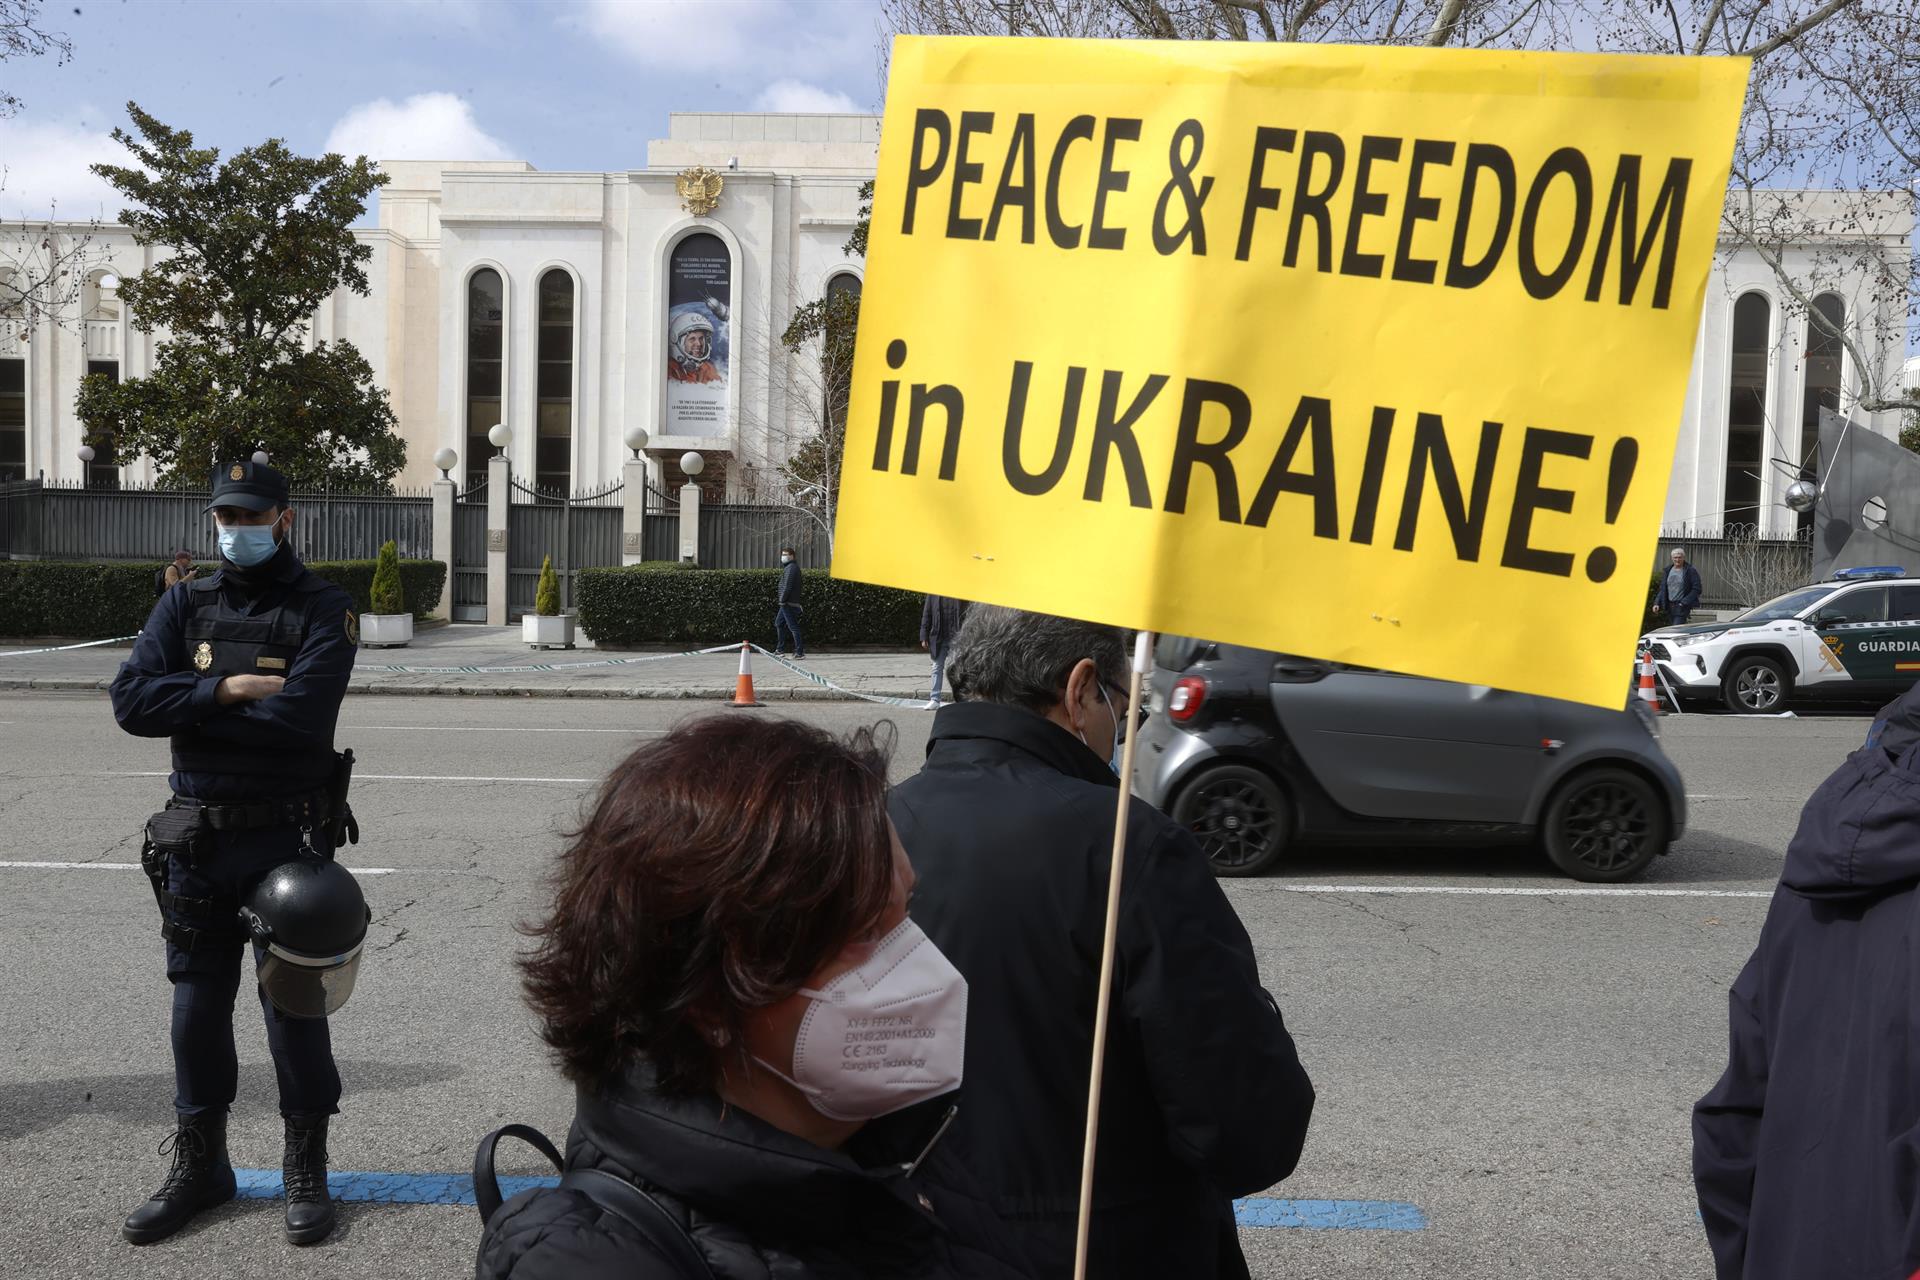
x=353, y=628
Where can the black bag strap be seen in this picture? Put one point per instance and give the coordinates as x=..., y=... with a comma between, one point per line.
x=609, y=1191
x=644, y=1214
x=486, y=1187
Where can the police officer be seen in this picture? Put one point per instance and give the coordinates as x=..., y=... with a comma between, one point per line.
x=244, y=670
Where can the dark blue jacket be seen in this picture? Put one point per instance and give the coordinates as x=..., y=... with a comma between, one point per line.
x=789, y=583
x=1806, y=1154
x=280, y=619
x=1690, y=588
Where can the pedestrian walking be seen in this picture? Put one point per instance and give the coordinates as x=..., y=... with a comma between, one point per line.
x=1804, y=1153
x=244, y=671
x=727, y=933
x=940, y=619
x=1010, y=830
x=1679, y=590
x=787, y=607
x=181, y=570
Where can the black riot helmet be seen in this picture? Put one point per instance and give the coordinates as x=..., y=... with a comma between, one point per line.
x=312, y=919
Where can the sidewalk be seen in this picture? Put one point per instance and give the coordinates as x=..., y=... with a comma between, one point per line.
x=583, y=672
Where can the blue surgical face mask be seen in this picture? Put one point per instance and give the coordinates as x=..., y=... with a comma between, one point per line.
x=248, y=545
x=1113, y=761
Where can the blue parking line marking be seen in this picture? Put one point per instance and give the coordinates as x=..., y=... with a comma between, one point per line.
x=385, y=1188
x=457, y=1189
x=1330, y=1215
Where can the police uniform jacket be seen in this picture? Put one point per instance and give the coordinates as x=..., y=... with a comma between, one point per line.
x=757, y=1202
x=278, y=618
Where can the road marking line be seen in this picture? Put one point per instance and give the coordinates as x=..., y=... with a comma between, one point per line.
x=457, y=1189
x=134, y=866
x=1581, y=891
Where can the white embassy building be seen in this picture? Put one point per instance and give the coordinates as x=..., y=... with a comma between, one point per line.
x=576, y=306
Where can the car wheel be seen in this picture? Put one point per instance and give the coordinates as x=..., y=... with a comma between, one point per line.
x=1240, y=816
x=1755, y=686
x=1605, y=825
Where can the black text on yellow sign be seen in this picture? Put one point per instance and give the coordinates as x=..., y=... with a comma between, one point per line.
x=1376, y=355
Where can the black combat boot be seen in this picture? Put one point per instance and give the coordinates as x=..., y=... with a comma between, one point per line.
x=310, y=1211
x=200, y=1178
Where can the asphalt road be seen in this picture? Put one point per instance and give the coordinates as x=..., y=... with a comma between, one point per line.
x=1519, y=1066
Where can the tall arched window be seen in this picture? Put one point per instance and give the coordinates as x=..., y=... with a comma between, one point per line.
x=1820, y=388
x=13, y=384
x=1747, y=409
x=836, y=355
x=486, y=349
x=553, y=441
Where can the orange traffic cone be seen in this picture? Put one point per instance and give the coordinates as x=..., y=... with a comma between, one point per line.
x=1649, y=693
x=743, y=687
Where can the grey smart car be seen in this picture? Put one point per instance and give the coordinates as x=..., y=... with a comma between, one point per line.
x=1259, y=752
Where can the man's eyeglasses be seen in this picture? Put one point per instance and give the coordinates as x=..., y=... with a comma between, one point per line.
x=1119, y=695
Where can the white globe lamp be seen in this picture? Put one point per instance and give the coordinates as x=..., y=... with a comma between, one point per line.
x=692, y=463
x=636, y=439
x=501, y=435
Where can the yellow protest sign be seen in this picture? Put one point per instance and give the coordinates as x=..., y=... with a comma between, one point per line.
x=1376, y=355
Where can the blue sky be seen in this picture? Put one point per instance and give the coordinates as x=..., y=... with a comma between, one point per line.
x=562, y=84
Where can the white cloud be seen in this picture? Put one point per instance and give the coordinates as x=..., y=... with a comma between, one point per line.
x=803, y=98
x=758, y=38
x=45, y=166
x=427, y=126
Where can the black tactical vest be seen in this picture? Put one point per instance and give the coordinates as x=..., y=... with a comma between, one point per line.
x=222, y=639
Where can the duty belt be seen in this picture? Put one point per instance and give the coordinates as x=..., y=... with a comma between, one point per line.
x=306, y=809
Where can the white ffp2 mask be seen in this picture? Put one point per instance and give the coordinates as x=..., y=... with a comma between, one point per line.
x=884, y=1035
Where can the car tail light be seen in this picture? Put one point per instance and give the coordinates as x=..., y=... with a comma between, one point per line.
x=1189, y=693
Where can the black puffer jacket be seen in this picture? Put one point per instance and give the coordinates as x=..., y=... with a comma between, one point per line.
x=760, y=1204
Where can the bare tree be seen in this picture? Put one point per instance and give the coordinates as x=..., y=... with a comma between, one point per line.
x=1833, y=108
x=43, y=264
x=1754, y=569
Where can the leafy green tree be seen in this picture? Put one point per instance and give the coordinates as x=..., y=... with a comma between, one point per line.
x=253, y=246
x=386, y=595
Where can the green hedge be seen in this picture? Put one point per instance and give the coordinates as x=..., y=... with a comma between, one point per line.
x=93, y=601
x=649, y=603
x=420, y=582
x=77, y=601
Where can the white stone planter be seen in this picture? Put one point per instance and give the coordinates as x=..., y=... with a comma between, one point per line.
x=386, y=630
x=554, y=632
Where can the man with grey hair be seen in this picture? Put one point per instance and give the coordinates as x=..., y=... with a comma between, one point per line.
x=1679, y=590
x=1010, y=831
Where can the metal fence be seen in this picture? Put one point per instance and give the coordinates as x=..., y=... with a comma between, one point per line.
x=57, y=520
x=750, y=537
x=1740, y=568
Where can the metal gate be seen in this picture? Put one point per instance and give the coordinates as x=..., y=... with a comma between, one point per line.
x=581, y=531
x=660, y=528
x=469, y=567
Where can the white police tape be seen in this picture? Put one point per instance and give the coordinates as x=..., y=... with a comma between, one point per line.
x=62, y=648
x=911, y=704
x=529, y=668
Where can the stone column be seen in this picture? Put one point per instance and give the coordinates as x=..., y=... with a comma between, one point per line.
x=690, y=523
x=498, y=472
x=443, y=545
x=633, y=511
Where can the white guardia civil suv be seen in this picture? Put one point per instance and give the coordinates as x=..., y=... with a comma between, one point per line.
x=1856, y=636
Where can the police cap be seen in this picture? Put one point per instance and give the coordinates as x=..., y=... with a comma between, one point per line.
x=249, y=485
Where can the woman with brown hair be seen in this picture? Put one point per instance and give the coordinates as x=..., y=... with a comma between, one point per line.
x=759, y=1037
